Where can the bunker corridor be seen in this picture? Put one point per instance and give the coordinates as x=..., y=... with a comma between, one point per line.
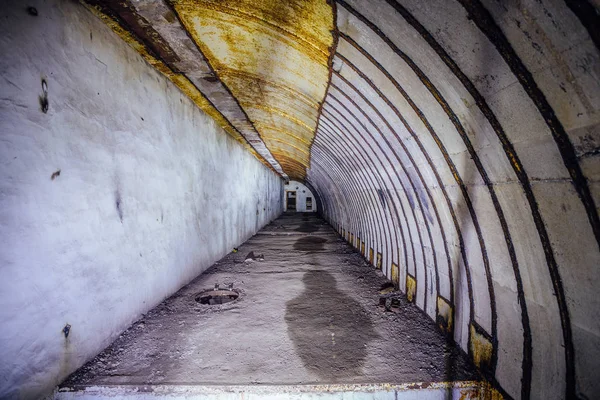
x=409, y=186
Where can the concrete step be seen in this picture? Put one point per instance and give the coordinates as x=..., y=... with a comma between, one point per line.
x=463, y=390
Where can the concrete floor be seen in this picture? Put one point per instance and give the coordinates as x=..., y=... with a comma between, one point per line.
x=308, y=314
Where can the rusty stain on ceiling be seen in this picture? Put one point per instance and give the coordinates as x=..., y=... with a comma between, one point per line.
x=273, y=56
x=262, y=69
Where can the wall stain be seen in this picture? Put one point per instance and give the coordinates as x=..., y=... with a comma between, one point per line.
x=330, y=330
x=44, y=103
x=118, y=205
x=411, y=288
x=381, y=197
x=480, y=347
x=445, y=315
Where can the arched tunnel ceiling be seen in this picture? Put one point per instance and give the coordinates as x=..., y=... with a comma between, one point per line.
x=455, y=143
x=261, y=68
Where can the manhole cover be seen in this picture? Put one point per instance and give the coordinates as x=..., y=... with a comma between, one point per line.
x=214, y=297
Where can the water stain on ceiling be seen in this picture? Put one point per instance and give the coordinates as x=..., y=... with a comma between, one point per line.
x=263, y=67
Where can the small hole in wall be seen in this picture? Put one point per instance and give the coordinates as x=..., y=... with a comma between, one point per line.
x=55, y=175
x=32, y=11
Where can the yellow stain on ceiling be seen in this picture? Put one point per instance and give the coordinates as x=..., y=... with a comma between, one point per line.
x=273, y=55
x=178, y=79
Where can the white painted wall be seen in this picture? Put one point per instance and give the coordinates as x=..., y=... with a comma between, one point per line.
x=302, y=192
x=120, y=133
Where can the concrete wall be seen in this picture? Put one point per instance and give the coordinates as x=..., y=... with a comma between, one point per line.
x=460, y=141
x=112, y=200
x=302, y=192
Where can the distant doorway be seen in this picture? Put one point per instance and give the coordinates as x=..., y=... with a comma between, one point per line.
x=309, y=204
x=290, y=204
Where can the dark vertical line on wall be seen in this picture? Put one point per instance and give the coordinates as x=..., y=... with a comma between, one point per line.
x=347, y=192
x=419, y=144
x=368, y=179
x=589, y=17
x=454, y=119
x=327, y=211
x=348, y=199
x=485, y=22
x=331, y=214
x=517, y=166
x=409, y=155
x=328, y=214
x=326, y=171
x=374, y=173
x=389, y=179
x=460, y=129
x=455, y=174
x=336, y=131
x=401, y=163
x=363, y=202
x=345, y=177
x=364, y=178
x=418, y=199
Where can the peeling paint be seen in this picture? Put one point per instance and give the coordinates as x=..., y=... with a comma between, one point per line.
x=480, y=348
x=411, y=288
x=445, y=315
x=395, y=275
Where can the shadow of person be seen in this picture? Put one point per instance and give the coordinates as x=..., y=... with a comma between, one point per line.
x=329, y=329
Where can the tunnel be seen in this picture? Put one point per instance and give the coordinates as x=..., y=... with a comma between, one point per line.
x=296, y=198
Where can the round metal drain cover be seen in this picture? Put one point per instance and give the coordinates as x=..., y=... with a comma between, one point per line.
x=214, y=297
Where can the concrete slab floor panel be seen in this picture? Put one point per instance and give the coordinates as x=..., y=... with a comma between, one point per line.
x=308, y=314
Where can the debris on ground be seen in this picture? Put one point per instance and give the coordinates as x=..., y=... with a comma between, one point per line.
x=253, y=257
